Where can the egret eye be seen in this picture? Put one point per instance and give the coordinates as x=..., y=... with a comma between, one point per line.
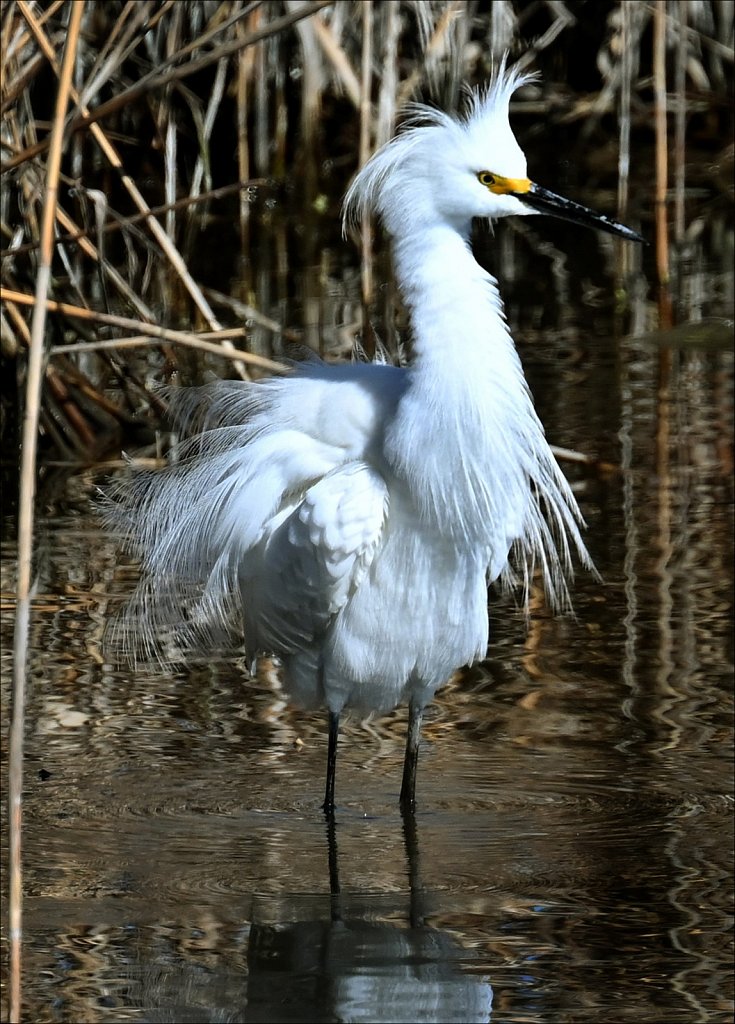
x=486, y=178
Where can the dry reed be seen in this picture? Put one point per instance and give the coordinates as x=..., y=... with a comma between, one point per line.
x=188, y=75
x=26, y=508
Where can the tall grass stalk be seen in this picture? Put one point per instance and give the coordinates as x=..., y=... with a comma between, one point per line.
x=26, y=510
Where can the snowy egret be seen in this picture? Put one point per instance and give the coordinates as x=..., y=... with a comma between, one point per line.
x=349, y=518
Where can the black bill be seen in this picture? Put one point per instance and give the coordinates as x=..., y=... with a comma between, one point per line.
x=543, y=201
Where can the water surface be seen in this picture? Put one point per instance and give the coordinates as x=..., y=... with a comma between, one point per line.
x=571, y=856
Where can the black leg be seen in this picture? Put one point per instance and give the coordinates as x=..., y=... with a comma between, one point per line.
x=328, y=804
x=410, y=763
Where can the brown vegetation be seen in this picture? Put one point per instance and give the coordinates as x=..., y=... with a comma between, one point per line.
x=187, y=115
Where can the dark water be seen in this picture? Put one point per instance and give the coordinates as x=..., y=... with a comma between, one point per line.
x=572, y=852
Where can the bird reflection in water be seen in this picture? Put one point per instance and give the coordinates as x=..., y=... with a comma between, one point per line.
x=345, y=957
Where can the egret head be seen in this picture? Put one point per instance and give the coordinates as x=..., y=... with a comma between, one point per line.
x=442, y=169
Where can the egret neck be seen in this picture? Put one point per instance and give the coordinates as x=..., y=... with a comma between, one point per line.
x=467, y=418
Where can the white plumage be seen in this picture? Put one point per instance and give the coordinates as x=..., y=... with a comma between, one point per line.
x=349, y=518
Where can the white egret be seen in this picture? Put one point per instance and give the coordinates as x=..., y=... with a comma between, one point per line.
x=349, y=518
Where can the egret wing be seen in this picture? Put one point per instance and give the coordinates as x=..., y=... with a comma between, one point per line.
x=311, y=558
